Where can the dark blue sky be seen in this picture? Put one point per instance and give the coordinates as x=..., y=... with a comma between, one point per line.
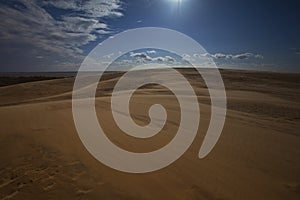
x=56, y=35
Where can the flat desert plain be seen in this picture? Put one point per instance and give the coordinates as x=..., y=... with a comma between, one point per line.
x=256, y=157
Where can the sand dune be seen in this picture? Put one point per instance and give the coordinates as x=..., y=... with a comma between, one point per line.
x=257, y=156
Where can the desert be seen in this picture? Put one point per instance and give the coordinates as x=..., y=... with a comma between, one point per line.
x=256, y=157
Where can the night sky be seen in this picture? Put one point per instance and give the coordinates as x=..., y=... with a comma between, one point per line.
x=56, y=35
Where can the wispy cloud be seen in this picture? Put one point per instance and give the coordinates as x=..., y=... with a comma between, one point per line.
x=89, y=8
x=55, y=27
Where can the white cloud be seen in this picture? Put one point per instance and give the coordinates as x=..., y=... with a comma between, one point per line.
x=151, y=52
x=29, y=24
x=258, y=56
x=80, y=24
x=187, y=57
x=89, y=8
x=109, y=55
x=241, y=56
x=144, y=57
x=39, y=57
x=169, y=59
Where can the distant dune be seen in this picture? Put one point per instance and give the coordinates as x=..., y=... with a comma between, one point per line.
x=257, y=156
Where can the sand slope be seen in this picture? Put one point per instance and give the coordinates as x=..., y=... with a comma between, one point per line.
x=257, y=156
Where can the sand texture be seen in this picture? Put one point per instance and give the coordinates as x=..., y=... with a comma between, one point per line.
x=256, y=157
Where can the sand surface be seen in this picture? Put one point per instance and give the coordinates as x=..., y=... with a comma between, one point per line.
x=257, y=156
